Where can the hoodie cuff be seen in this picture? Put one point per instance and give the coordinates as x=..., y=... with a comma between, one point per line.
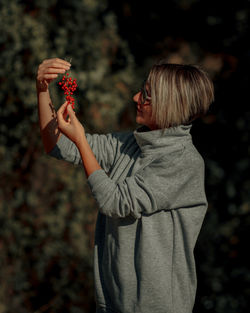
x=98, y=181
x=101, y=185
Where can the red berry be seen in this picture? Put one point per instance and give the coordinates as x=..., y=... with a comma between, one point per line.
x=68, y=85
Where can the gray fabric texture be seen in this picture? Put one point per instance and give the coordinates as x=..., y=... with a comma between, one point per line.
x=151, y=199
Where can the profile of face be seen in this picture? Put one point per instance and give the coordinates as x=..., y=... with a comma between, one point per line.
x=144, y=108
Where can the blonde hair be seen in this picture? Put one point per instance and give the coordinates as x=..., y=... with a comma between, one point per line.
x=179, y=93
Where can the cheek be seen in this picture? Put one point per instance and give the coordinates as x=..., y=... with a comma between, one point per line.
x=149, y=111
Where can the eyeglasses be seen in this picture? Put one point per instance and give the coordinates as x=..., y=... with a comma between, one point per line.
x=144, y=94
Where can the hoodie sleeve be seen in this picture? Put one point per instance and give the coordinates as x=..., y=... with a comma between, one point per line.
x=105, y=148
x=159, y=186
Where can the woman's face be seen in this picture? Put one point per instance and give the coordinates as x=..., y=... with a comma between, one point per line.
x=144, y=112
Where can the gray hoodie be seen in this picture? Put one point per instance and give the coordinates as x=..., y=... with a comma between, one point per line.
x=151, y=199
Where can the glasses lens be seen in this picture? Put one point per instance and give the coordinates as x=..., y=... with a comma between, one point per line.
x=143, y=93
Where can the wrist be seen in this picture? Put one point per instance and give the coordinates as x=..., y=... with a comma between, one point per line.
x=81, y=142
x=42, y=86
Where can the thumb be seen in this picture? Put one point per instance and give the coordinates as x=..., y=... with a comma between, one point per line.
x=62, y=110
x=61, y=113
x=71, y=113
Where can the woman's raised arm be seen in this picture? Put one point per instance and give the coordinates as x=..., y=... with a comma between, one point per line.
x=48, y=70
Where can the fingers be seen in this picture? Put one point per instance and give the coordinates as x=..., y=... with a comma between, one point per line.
x=72, y=119
x=47, y=76
x=53, y=65
x=50, y=68
x=71, y=128
x=56, y=61
x=65, y=110
x=57, y=70
x=71, y=113
x=61, y=115
x=62, y=109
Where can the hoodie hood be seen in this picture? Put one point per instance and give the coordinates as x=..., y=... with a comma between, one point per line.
x=152, y=141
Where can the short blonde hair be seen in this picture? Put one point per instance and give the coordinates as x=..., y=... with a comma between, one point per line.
x=179, y=93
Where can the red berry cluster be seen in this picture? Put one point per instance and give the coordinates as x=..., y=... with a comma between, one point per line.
x=68, y=85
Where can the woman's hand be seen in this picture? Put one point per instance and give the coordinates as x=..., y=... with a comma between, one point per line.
x=74, y=130
x=70, y=127
x=48, y=70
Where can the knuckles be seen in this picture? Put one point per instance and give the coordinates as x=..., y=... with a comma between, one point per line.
x=45, y=62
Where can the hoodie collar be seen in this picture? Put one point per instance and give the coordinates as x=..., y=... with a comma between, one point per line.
x=151, y=141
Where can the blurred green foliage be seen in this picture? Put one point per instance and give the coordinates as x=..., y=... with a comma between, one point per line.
x=47, y=214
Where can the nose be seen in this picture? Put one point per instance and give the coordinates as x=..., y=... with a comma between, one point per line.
x=136, y=97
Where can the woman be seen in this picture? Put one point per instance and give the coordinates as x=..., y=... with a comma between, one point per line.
x=149, y=187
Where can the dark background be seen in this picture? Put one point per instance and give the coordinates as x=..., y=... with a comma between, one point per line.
x=47, y=214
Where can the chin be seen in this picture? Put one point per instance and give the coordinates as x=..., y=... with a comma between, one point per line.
x=139, y=120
